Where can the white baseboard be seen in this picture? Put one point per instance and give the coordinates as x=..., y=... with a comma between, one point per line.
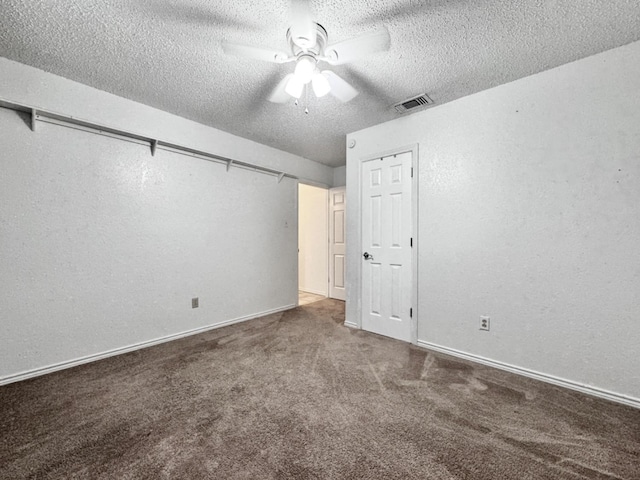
x=350, y=325
x=36, y=372
x=315, y=292
x=589, y=390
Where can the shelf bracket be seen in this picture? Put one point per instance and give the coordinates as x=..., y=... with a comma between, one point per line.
x=35, y=114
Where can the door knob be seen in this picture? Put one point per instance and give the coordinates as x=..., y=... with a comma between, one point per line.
x=367, y=256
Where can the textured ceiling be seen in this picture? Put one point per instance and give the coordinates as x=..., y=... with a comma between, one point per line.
x=167, y=54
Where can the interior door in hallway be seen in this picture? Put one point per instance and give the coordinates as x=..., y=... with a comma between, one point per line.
x=386, y=246
x=337, y=205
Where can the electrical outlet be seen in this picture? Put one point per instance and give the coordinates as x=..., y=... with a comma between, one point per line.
x=485, y=322
x=194, y=302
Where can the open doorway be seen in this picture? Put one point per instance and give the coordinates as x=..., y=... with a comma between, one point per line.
x=313, y=244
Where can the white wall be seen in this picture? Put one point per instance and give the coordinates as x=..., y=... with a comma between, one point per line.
x=529, y=211
x=340, y=176
x=23, y=84
x=103, y=246
x=313, y=243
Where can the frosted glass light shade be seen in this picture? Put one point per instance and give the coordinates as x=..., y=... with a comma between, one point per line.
x=305, y=67
x=294, y=87
x=320, y=84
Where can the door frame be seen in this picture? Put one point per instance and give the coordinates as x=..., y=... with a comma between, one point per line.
x=413, y=148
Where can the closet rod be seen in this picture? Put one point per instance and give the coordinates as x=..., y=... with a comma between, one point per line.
x=59, y=119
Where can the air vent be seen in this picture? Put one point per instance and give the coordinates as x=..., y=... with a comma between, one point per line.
x=414, y=103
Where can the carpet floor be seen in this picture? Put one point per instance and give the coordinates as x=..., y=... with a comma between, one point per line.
x=296, y=395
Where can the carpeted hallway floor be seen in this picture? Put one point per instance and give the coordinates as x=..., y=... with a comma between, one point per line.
x=305, y=298
x=298, y=395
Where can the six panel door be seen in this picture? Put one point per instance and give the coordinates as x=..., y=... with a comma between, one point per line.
x=386, y=246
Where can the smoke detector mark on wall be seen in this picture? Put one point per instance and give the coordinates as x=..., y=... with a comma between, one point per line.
x=414, y=103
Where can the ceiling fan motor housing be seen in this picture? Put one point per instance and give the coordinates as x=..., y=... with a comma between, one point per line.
x=315, y=50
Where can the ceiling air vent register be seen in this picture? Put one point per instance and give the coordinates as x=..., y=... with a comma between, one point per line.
x=415, y=103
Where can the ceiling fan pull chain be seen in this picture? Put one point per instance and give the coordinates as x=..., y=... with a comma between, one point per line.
x=306, y=99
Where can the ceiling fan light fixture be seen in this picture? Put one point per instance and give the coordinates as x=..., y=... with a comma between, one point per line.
x=308, y=46
x=320, y=84
x=305, y=67
x=294, y=87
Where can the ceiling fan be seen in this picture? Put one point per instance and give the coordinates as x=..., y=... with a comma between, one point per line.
x=308, y=42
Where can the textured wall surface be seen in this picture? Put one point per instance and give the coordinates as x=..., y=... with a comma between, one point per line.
x=103, y=246
x=340, y=176
x=529, y=212
x=313, y=235
x=24, y=84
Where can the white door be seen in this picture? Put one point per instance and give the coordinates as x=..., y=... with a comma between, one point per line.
x=386, y=246
x=337, y=203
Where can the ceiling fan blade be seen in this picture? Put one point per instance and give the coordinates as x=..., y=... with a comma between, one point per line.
x=279, y=94
x=257, y=53
x=339, y=88
x=349, y=50
x=303, y=28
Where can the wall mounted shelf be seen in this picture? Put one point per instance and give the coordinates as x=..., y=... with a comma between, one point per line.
x=40, y=115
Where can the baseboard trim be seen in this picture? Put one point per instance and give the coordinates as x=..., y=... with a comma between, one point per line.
x=350, y=324
x=36, y=372
x=561, y=382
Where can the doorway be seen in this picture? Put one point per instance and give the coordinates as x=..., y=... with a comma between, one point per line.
x=313, y=245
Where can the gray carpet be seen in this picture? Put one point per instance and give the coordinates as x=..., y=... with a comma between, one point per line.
x=298, y=395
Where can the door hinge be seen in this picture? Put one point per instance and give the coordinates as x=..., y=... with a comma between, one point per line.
x=411, y=172
x=411, y=313
x=411, y=242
